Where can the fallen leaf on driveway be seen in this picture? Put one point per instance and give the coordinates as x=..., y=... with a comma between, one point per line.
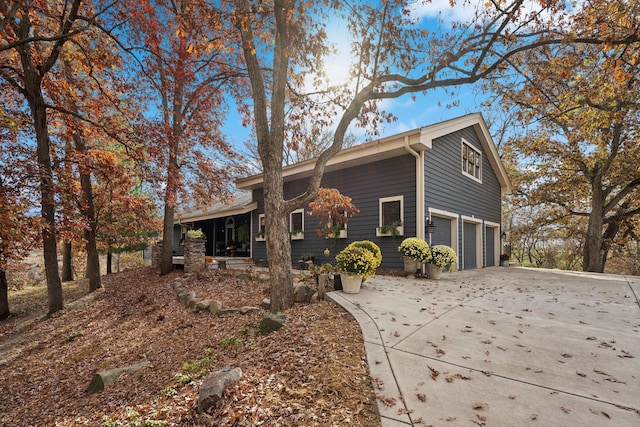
x=434, y=373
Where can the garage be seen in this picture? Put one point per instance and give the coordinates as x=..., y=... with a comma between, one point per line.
x=469, y=232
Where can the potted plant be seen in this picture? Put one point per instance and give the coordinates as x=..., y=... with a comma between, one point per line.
x=372, y=247
x=195, y=234
x=356, y=262
x=394, y=229
x=442, y=257
x=333, y=210
x=504, y=260
x=415, y=251
x=306, y=261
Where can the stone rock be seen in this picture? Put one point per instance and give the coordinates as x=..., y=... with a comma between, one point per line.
x=185, y=297
x=215, y=384
x=214, y=307
x=271, y=323
x=192, y=301
x=303, y=293
x=243, y=275
x=248, y=309
x=266, y=303
x=203, y=305
x=264, y=277
x=314, y=298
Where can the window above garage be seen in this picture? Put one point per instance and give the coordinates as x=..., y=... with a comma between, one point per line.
x=471, y=161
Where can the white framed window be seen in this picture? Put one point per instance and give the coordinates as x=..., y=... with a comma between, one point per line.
x=296, y=224
x=391, y=216
x=261, y=236
x=471, y=161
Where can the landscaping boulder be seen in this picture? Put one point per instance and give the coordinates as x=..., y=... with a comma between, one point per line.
x=215, y=384
x=271, y=323
x=214, y=307
x=266, y=303
x=248, y=309
x=203, y=305
x=303, y=293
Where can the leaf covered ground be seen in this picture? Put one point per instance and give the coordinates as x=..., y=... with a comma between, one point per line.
x=313, y=371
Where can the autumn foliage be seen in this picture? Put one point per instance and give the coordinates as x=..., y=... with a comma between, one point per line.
x=333, y=210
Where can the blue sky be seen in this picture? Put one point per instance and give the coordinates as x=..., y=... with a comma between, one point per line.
x=411, y=113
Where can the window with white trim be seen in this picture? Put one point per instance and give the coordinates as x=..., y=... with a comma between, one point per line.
x=261, y=228
x=471, y=161
x=391, y=216
x=296, y=224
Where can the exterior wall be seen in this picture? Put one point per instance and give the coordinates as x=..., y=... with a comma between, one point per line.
x=447, y=189
x=449, y=193
x=365, y=184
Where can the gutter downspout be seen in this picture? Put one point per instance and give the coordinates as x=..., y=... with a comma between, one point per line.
x=420, y=218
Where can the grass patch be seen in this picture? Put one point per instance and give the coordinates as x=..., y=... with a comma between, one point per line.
x=33, y=299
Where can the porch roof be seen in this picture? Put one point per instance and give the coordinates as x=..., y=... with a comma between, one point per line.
x=241, y=204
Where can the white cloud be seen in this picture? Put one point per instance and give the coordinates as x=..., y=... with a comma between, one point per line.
x=461, y=11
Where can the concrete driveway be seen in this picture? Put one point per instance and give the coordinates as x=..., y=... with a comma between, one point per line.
x=502, y=347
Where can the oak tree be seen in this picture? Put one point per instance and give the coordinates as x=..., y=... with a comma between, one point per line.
x=580, y=107
x=33, y=36
x=179, y=49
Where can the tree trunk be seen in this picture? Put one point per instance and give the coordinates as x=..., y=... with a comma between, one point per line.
x=47, y=192
x=109, y=262
x=67, y=262
x=88, y=211
x=87, y=207
x=278, y=249
x=4, y=296
x=166, y=264
x=592, y=257
x=32, y=78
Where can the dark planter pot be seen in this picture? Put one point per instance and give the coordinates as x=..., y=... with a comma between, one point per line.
x=337, y=282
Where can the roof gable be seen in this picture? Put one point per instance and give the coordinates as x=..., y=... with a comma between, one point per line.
x=418, y=139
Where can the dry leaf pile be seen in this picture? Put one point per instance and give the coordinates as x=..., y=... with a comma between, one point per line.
x=313, y=371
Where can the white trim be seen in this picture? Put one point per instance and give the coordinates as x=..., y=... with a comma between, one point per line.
x=300, y=233
x=202, y=216
x=496, y=240
x=419, y=181
x=463, y=143
x=382, y=201
x=264, y=236
x=453, y=217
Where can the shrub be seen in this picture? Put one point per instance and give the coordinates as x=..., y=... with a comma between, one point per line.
x=357, y=260
x=416, y=249
x=370, y=246
x=444, y=257
x=195, y=234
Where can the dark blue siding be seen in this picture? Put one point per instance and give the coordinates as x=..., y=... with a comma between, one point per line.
x=365, y=184
x=446, y=188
